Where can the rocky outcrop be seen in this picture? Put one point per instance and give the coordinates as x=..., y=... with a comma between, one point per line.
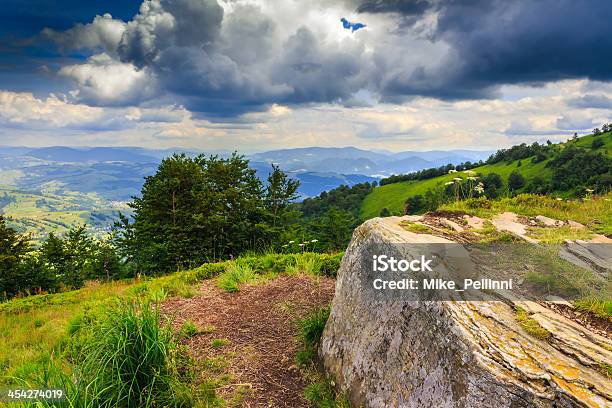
x=393, y=351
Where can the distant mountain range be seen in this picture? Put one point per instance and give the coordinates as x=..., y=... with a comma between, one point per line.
x=116, y=173
x=350, y=160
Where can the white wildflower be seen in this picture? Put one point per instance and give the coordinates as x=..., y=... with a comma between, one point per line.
x=314, y=240
x=292, y=242
x=589, y=190
x=448, y=183
x=472, y=178
x=470, y=172
x=458, y=179
x=452, y=171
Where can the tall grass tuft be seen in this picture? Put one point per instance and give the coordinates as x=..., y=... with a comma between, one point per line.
x=129, y=360
x=310, y=331
x=236, y=274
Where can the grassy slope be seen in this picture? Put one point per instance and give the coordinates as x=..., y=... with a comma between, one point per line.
x=34, y=327
x=393, y=196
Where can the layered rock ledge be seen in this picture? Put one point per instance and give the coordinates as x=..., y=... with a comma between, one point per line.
x=401, y=352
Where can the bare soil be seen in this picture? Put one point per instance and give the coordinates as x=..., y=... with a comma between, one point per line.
x=259, y=323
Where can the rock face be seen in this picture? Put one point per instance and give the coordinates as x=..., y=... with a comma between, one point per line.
x=395, y=352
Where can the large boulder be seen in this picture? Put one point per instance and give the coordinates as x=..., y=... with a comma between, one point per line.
x=403, y=351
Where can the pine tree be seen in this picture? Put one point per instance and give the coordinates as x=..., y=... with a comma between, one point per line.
x=13, y=250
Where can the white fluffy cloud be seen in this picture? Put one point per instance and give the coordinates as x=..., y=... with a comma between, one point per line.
x=25, y=110
x=106, y=81
x=102, y=33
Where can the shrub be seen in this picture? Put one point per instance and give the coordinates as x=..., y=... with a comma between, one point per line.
x=515, y=181
x=209, y=270
x=597, y=143
x=330, y=264
x=480, y=202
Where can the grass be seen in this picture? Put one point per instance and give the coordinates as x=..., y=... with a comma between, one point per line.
x=416, y=228
x=320, y=391
x=598, y=307
x=236, y=275
x=321, y=394
x=126, y=356
x=189, y=329
x=37, y=329
x=596, y=214
x=306, y=264
x=530, y=325
x=310, y=330
x=130, y=359
x=218, y=343
x=551, y=274
x=558, y=235
x=46, y=339
x=606, y=369
x=253, y=269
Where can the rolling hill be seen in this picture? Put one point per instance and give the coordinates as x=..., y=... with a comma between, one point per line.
x=40, y=213
x=393, y=196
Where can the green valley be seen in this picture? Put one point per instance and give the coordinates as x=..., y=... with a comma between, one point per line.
x=40, y=213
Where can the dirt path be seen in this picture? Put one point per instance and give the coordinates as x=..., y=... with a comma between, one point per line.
x=257, y=365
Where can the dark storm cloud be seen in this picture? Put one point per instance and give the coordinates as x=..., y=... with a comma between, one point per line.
x=506, y=42
x=407, y=8
x=226, y=63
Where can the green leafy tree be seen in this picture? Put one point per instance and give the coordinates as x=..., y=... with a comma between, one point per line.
x=280, y=192
x=197, y=209
x=597, y=143
x=492, y=183
x=414, y=204
x=334, y=229
x=515, y=181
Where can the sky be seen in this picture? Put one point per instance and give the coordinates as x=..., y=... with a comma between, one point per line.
x=253, y=75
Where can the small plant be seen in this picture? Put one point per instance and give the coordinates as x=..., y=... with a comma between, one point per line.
x=598, y=307
x=310, y=331
x=306, y=263
x=188, y=329
x=321, y=394
x=606, y=369
x=530, y=325
x=218, y=343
